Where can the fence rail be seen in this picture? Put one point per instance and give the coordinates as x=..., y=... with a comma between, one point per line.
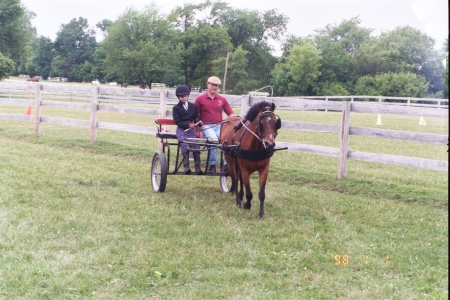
x=130, y=101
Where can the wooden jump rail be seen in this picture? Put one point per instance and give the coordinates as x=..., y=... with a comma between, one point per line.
x=32, y=95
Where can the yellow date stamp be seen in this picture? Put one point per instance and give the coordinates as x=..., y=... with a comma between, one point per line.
x=343, y=260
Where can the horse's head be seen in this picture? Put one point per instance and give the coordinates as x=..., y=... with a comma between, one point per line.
x=268, y=124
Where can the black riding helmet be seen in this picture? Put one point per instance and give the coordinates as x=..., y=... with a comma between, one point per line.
x=182, y=90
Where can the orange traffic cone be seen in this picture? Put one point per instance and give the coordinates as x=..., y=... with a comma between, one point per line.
x=28, y=111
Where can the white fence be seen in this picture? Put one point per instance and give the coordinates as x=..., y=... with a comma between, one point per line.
x=109, y=99
x=158, y=85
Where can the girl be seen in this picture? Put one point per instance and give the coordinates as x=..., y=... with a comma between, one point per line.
x=185, y=115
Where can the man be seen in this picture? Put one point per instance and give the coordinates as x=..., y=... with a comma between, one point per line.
x=210, y=106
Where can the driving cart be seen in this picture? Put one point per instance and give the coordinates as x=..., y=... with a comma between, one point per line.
x=164, y=164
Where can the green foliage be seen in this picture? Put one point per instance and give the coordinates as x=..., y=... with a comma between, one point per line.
x=403, y=49
x=104, y=24
x=238, y=81
x=252, y=30
x=41, y=56
x=302, y=66
x=190, y=44
x=392, y=84
x=280, y=78
x=200, y=40
x=6, y=66
x=15, y=28
x=337, y=46
x=333, y=88
x=140, y=47
x=75, y=44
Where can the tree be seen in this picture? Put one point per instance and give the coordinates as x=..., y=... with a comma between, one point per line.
x=403, y=84
x=403, y=49
x=281, y=77
x=253, y=31
x=15, y=28
x=74, y=45
x=40, y=58
x=290, y=41
x=305, y=62
x=237, y=81
x=303, y=69
x=140, y=47
x=333, y=88
x=6, y=66
x=338, y=46
x=104, y=24
x=201, y=40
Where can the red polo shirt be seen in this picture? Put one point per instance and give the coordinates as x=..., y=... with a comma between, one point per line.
x=211, y=109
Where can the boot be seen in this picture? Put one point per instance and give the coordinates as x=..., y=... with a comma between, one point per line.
x=187, y=170
x=198, y=169
x=212, y=169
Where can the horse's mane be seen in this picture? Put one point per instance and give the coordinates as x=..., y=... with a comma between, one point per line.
x=254, y=110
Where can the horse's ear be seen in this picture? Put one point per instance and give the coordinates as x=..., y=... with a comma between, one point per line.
x=278, y=124
x=262, y=106
x=273, y=107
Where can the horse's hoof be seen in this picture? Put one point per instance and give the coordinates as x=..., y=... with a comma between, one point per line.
x=247, y=206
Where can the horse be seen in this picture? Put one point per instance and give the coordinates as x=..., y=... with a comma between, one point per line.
x=123, y=85
x=248, y=145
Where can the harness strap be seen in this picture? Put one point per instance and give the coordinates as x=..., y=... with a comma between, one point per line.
x=236, y=152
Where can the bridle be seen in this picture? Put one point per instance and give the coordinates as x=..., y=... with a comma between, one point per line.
x=267, y=115
x=264, y=115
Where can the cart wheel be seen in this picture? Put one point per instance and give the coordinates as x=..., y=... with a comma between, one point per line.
x=225, y=184
x=158, y=172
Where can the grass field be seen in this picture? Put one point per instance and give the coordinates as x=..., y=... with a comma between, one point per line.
x=80, y=220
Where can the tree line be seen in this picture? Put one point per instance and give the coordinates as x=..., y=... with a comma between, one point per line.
x=195, y=41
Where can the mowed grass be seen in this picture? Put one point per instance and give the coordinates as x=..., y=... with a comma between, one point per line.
x=80, y=220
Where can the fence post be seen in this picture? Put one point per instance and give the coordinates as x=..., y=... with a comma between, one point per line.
x=326, y=99
x=37, y=108
x=162, y=113
x=94, y=108
x=343, y=147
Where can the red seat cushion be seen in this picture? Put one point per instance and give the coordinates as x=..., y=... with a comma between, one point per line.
x=165, y=121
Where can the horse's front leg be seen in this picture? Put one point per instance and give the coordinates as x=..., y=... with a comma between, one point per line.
x=262, y=191
x=241, y=190
x=235, y=177
x=245, y=177
x=262, y=196
x=238, y=197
